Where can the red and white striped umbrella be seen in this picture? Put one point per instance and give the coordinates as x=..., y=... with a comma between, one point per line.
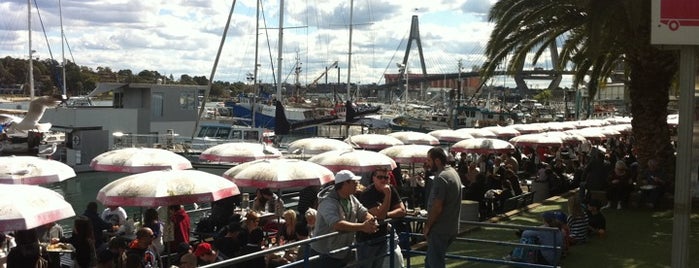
x=314, y=146
x=24, y=207
x=32, y=170
x=279, y=173
x=483, y=146
x=412, y=137
x=450, y=135
x=239, y=152
x=372, y=141
x=356, y=161
x=166, y=187
x=407, y=154
x=538, y=139
x=138, y=160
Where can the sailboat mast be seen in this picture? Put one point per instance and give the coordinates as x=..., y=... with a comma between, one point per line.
x=63, y=51
x=349, y=54
x=279, y=52
x=257, y=44
x=31, y=52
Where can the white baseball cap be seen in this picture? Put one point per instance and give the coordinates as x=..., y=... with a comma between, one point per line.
x=346, y=175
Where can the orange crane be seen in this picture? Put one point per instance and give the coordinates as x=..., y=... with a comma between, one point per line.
x=324, y=73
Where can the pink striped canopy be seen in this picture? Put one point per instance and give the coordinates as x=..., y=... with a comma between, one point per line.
x=138, y=160
x=279, y=173
x=32, y=170
x=239, y=152
x=356, y=161
x=24, y=207
x=166, y=187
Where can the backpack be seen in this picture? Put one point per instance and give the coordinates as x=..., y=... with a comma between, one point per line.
x=526, y=254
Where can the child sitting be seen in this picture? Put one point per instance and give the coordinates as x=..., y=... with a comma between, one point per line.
x=598, y=224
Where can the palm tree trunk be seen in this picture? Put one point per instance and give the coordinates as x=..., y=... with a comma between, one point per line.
x=652, y=72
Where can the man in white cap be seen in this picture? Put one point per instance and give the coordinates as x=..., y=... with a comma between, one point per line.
x=339, y=210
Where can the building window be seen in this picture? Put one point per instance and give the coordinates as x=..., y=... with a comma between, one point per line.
x=188, y=101
x=156, y=107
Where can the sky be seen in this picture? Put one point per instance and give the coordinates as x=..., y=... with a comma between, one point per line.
x=178, y=37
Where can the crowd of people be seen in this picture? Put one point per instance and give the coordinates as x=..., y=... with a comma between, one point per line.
x=363, y=214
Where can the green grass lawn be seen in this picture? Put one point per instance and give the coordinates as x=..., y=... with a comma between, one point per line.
x=635, y=238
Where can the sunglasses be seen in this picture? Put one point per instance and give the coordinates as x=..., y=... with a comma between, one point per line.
x=383, y=177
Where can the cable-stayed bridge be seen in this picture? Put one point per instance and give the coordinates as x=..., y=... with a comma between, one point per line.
x=463, y=80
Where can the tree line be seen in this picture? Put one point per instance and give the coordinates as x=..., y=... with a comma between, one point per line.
x=80, y=80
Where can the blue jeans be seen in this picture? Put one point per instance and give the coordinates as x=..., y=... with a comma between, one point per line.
x=372, y=253
x=437, y=245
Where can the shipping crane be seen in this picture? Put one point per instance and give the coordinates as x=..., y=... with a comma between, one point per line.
x=324, y=73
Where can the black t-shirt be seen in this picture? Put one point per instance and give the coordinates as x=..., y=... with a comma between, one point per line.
x=371, y=198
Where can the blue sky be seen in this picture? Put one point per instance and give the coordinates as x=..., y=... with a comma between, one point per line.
x=182, y=36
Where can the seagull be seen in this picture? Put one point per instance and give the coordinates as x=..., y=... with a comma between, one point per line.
x=48, y=151
x=37, y=107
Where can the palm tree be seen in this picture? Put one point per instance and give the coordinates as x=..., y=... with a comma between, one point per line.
x=598, y=36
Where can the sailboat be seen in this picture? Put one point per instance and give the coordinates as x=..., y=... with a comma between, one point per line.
x=271, y=113
x=20, y=136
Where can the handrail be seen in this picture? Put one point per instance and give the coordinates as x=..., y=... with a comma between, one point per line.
x=264, y=252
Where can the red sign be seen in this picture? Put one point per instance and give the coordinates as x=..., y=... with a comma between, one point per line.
x=677, y=13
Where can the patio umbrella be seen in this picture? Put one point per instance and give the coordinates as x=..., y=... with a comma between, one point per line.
x=478, y=132
x=25, y=207
x=239, y=152
x=137, y=160
x=32, y=170
x=568, y=137
x=356, y=161
x=589, y=134
x=527, y=128
x=407, y=154
x=503, y=132
x=166, y=187
x=314, y=146
x=412, y=137
x=482, y=146
x=279, y=173
x=450, y=135
x=538, y=139
x=372, y=141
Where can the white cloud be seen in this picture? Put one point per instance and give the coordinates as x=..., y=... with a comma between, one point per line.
x=182, y=36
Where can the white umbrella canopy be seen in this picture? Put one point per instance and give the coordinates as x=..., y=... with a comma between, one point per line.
x=24, y=207
x=590, y=135
x=538, y=139
x=483, y=146
x=314, y=146
x=166, y=187
x=412, y=137
x=527, y=128
x=372, y=141
x=33, y=170
x=568, y=137
x=478, y=132
x=503, y=131
x=239, y=152
x=407, y=154
x=450, y=135
x=138, y=160
x=279, y=173
x=357, y=161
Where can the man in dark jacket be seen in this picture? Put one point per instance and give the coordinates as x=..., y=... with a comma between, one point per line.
x=140, y=253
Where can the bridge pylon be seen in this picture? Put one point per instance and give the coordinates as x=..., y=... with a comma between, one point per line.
x=414, y=36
